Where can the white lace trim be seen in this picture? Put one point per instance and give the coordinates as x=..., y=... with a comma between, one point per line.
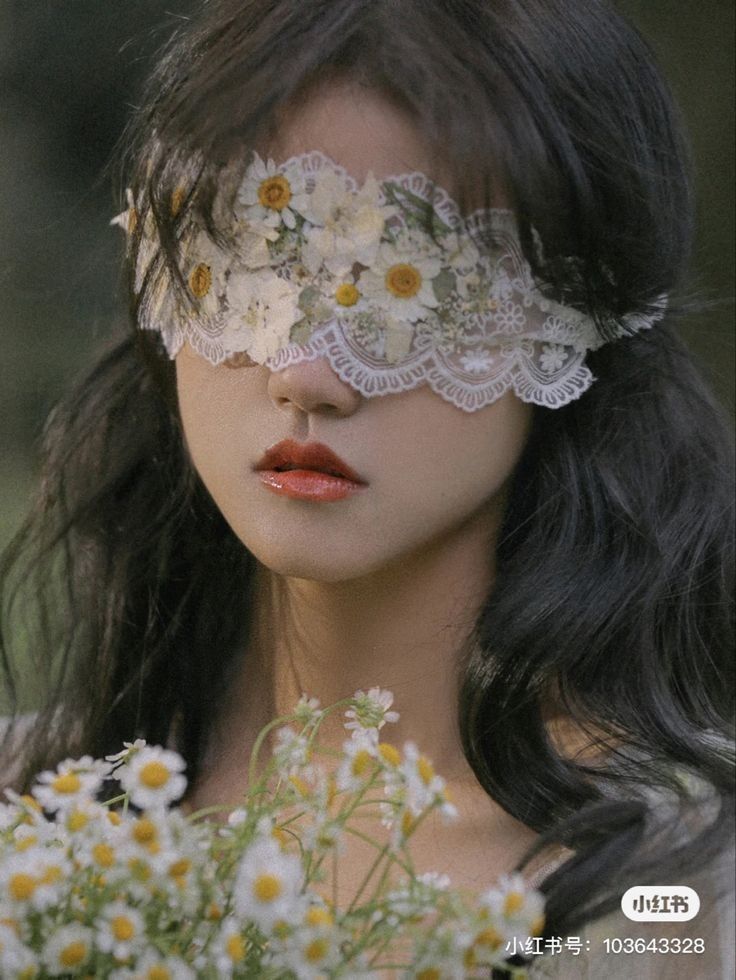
x=387, y=280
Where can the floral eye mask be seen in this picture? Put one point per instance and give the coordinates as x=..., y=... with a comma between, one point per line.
x=387, y=280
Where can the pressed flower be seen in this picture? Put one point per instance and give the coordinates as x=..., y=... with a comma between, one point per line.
x=271, y=194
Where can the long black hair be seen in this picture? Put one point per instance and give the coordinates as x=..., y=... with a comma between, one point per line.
x=615, y=556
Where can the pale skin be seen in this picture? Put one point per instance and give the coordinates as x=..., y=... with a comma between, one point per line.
x=383, y=588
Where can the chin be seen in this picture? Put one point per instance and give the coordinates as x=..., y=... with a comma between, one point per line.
x=318, y=562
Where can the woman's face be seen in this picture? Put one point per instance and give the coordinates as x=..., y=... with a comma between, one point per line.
x=428, y=471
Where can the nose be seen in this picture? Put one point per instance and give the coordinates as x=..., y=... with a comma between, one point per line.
x=312, y=387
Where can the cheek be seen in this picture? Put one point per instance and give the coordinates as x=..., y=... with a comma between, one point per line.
x=444, y=465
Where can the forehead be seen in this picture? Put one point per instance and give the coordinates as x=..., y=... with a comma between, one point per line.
x=356, y=127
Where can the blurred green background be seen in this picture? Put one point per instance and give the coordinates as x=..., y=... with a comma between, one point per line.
x=70, y=71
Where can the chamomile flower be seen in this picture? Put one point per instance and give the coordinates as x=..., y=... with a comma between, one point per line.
x=74, y=780
x=516, y=905
x=268, y=884
x=291, y=750
x=400, y=279
x=370, y=711
x=154, y=966
x=307, y=710
x=17, y=961
x=68, y=951
x=359, y=761
x=271, y=194
x=229, y=948
x=120, y=930
x=153, y=777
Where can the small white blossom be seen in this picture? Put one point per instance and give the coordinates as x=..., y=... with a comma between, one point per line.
x=262, y=310
x=153, y=777
x=73, y=781
x=268, y=884
x=120, y=931
x=272, y=194
x=370, y=711
x=307, y=710
x=68, y=950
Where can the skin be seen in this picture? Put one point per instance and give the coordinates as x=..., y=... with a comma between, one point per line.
x=381, y=588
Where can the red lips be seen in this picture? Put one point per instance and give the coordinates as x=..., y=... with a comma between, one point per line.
x=307, y=471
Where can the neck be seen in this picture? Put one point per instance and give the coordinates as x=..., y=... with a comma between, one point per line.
x=405, y=628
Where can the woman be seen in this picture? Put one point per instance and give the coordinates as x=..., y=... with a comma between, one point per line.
x=538, y=565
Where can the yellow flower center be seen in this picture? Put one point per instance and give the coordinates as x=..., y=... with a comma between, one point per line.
x=200, y=282
x=214, y=912
x=114, y=818
x=22, y=886
x=76, y=821
x=144, y=831
x=235, y=948
x=154, y=775
x=267, y=887
x=316, y=950
x=158, y=973
x=406, y=823
x=362, y=761
x=425, y=770
x=275, y=192
x=122, y=928
x=73, y=954
x=28, y=974
x=389, y=753
x=317, y=916
x=489, y=937
x=31, y=801
x=431, y=973
x=347, y=294
x=537, y=925
x=513, y=903
x=23, y=843
x=103, y=855
x=69, y=782
x=51, y=874
x=403, y=280
x=299, y=785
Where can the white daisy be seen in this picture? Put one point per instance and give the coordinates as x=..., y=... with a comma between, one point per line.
x=307, y=710
x=515, y=907
x=291, y=750
x=268, y=884
x=154, y=966
x=68, y=951
x=17, y=961
x=153, y=777
x=399, y=280
x=370, y=710
x=73, y=781
x=120, y=930
x=272, y=194
x=359, y=760
x=229, y=948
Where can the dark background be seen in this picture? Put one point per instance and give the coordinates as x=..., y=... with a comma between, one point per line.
x=70, y=70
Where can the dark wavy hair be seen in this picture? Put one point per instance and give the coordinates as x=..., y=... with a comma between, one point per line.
x=615, y=557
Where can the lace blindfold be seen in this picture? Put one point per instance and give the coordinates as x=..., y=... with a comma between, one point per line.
x=387, y=280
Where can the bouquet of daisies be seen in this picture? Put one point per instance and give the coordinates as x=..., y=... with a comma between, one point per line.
x=134, y=889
